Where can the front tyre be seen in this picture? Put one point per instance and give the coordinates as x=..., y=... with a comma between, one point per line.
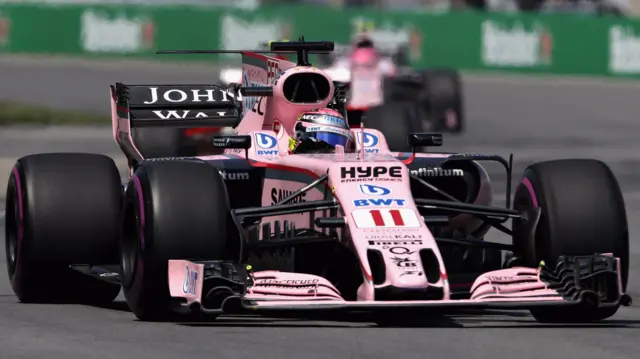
x=173, y=210
x=62, y=209
x=582, y=213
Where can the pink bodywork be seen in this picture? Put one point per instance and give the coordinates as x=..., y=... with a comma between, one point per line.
x=388, y=227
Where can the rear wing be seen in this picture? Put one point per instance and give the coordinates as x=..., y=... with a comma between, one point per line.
x=185, y=106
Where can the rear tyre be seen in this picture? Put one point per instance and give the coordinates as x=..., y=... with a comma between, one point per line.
x=582, y=213
x=173, y=210
x=62, y=209
x=442, y=100
x=395, y=120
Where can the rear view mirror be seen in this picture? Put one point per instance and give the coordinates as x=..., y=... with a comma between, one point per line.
x=426, y=139
x=238, y=142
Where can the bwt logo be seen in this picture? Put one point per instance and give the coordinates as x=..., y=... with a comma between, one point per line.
x=267, y=143
x=379, y=202
x=371, y=190
x=370, y=141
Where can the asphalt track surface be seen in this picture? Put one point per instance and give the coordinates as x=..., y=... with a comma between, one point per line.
x=536, y=119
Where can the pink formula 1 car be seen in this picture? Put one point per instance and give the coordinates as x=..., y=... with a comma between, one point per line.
x=302, y=214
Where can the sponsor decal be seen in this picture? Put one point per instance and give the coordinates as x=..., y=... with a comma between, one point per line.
x=393, y=218
x=267, y=144
x=437, y=172
x=369, y=143
x=379, y=202
x=287, y=281
x=277, y=195
x=385, y=231
x=168, y=114
x=273, y=70
x=234, y=176
x=324, y=119
x=372, y=173
x=173, y=95
x=400, y=250
x=405, y=263
x=190, y=281
x=371, y=190
x=394, y=236
x=391, y=242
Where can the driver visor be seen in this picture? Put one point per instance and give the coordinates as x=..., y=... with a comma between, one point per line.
x=331, y=135
x=331, y=138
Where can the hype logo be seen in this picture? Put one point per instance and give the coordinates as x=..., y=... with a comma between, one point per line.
x=371, y=190
x=370, y=140
x=267, y=143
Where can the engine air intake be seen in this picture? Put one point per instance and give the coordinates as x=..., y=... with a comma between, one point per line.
x=306, y=88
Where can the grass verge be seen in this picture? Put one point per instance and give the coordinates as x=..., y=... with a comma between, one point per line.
x=14, y=113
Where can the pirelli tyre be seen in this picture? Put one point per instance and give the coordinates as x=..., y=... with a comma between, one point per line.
x=582, y=212
x=173, y=210
x=442, y=99
x=62, y=209
x=395, y=119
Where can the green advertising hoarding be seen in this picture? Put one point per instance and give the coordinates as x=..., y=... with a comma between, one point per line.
x=129, y=30
x=556, y=44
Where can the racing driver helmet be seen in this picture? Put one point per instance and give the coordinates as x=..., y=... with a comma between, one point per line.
x=320, y=131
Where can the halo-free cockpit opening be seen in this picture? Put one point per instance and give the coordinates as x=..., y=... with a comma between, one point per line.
x=306, y=88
